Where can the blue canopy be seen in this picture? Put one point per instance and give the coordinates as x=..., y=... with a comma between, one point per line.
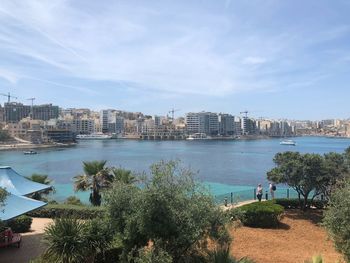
x=18, y=205
x=18, y=186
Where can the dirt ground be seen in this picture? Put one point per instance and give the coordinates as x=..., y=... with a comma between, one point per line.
x=298, y=238
x=31, y=246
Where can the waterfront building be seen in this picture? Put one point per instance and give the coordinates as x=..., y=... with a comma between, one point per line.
x=202, y=122
x=248, y=126
x=83, y=126
x=14, y=112
x=226, y=124
x=44, y=112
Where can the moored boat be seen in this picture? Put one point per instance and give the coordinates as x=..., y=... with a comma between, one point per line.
x=288, y=142
x=30, y=152
x=93, y=136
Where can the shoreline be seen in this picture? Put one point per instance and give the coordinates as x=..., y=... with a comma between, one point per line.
x=26, y=146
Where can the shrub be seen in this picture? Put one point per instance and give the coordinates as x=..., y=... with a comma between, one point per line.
x=63, y=210
x=337, y=218
x=73, y=200
x=261, y=214
x=110, y=255
x=294, y=203
x=20, y=224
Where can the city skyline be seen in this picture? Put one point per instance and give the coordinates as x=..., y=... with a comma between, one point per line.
x=285, y=59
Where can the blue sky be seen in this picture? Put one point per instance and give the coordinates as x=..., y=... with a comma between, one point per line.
x=280, y=59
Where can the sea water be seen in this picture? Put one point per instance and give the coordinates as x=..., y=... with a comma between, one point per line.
x=225, y=166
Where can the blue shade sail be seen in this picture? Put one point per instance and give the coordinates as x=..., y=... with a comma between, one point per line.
x=15, y=183
x=17, y=186
x=18, y=205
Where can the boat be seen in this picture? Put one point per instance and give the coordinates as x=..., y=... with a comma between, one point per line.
x=93, y=136
x=198, y=136
x=30, y=152
x=288, y=142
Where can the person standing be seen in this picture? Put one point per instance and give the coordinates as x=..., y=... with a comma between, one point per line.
x=259, y=192
x=272, y=188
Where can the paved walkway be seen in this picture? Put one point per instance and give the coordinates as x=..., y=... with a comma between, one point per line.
x=31, y=246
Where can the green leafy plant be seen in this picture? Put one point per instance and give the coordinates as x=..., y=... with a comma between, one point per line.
x=20, y=224
x=337, y=217
x=64, y=210
x=73, y=200
x=261, y=214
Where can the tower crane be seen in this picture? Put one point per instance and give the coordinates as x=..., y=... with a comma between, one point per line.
x=8, y=96
x=172, y=111
x=245, y=112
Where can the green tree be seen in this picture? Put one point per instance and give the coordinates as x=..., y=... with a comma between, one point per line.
x=4, y=136
x=95, y=178
x=123, y=175
x=337, y=217
x=41, y=179
x=308, y=174
x=171, y=211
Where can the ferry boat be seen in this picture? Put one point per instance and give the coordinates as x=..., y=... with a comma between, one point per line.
x=93, y=136
x=198, y=136
x=288, y=142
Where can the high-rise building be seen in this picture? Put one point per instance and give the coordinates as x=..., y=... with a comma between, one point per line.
x=226, y=124
x=14, y=112
x=202, y=122
x=44, y=112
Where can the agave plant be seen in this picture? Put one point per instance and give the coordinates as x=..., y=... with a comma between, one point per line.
x=66, y=242
x=222, y=255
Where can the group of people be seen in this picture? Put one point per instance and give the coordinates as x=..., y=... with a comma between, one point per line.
x=259, y=191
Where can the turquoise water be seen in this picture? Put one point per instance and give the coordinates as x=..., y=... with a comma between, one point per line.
x=224, y=165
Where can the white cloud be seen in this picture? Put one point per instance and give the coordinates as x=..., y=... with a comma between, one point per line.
x=9, y=76
x=254, y=60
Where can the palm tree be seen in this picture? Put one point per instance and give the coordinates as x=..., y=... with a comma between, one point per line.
x=123, y=176
x=96, y=177
x=41, y=179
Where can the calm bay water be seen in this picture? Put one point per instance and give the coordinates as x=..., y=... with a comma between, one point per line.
x=224, y=165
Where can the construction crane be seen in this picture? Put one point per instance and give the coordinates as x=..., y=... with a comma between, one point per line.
x=245, y=112
x=172, y=111
x=32, y=99
x=8, y=96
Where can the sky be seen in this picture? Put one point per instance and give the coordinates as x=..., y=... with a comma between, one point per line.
x=278, y=59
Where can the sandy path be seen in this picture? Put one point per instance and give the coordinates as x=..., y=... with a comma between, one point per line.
x=297, y=240
x=31, y=246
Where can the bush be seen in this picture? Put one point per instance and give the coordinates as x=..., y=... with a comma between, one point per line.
x=261, y=214
x=20, y=224
x=110, y=255
x=295, y=204
x=64, y=210
x=72, y=200
x=337, y=218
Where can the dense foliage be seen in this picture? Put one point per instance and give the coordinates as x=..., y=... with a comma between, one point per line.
x=3, y=195
x=310, y=175
x=4, y=136
x=295, y=203
x=171, y=212
x=73, y=200
x=20, y=224
x=74, y=241
x=63, y=210
x=261, y=214
x=337, y=217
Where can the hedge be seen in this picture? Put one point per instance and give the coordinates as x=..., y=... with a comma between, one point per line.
x=294, y=203
x=20, y=224
x=261, y=214
x=64, y=210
